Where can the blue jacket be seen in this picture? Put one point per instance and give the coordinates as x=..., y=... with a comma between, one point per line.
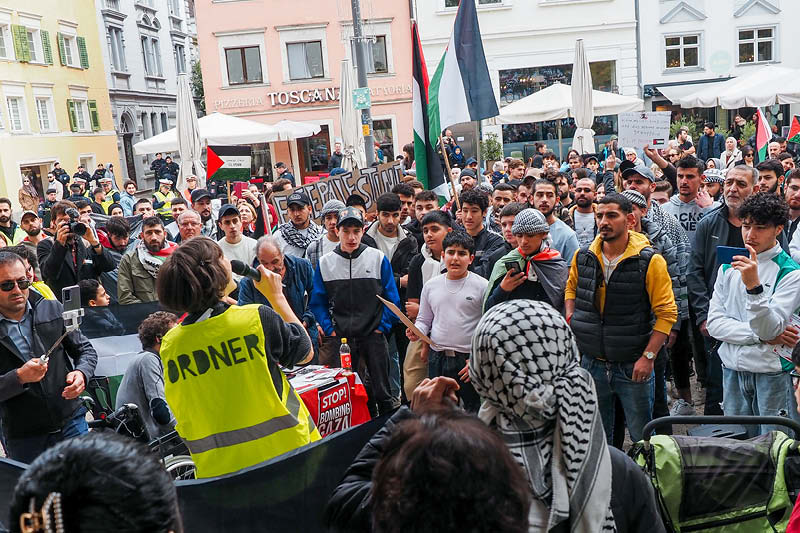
x=345, y=286
x=708, y=147
x=297, y=283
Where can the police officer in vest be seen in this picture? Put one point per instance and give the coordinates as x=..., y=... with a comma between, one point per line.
x=616, y=285
x=162, y=200
x=233, y=405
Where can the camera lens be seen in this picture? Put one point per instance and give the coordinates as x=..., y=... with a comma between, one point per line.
x=78, y=228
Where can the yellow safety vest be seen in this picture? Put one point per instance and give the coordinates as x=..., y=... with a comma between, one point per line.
x=166, y=209
x=19, y=236
x=232, y=408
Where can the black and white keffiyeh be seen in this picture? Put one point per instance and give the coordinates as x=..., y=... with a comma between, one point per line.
x=525, y=367
x=297, y=238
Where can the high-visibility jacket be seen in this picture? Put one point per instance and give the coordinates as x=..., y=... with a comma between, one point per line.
x=233, y=407
x=166, y=209
x=105, y=204
x=19, y=236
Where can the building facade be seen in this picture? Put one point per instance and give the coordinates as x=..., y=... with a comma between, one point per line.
x=55, y=105
x=146, y=44
x=529, y=45
x=687, y=45
x=268, y=61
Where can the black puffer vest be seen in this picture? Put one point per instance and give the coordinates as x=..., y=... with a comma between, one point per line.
x=621, y=332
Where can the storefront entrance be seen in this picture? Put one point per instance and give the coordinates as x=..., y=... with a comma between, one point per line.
x=313, y=153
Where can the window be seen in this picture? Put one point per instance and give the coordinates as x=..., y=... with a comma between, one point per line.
x=6, y=47
x=174, y=8
x=112, y=4
x=154, y=123
x=756, y=45
x=69, y=51
x=377, y=62
x=43, y=111
x=16, y=113
x=164, y=123
x=682, y=51
x=305, y=60
x=33, y=39
x=117, y=49
x=519, y=83
x=151, y=54
x=180, y=58
x=81, y=115
x=244, y=65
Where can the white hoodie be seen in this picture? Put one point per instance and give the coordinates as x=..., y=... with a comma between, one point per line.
x=740, y=320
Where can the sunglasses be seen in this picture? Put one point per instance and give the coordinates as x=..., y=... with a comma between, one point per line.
x=8, y=286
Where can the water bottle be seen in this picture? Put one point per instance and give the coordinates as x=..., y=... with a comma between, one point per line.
x=345, y=357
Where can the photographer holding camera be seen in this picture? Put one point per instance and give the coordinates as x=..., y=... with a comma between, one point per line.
x=65, y=260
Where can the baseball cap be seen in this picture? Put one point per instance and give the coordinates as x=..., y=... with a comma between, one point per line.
x=629, y=169
x=50, y=190
x=198, y=194
x=350, y=213
x=298, y=198
x=280, y=164
x=471, y=160
x=105, y=179
x=227, y=209
x=589, y=157
x=164, y=182
x=28, y=212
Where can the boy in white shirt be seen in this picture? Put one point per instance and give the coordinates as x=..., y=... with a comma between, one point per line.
x=235, y=245
x=449, y=311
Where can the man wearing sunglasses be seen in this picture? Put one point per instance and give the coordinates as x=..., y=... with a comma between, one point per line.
x=39, y=404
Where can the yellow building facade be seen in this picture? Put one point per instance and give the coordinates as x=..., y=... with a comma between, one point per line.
x=54, y=104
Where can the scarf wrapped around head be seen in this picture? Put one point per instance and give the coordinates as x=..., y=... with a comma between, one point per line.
x=525, y=367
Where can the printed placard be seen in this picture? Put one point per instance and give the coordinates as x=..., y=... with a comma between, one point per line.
x=334, y=409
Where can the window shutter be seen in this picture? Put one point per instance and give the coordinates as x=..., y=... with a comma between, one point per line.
x=83, y=53
x=94, y=115
x=21, y=43
x=48, y=52
x=62, y=53
x=73, y=119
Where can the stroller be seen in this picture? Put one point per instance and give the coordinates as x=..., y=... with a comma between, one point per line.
x=722, y=485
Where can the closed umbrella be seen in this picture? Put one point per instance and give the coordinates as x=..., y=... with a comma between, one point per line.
x=582, y=105
x=190, y=146
x=352, y=141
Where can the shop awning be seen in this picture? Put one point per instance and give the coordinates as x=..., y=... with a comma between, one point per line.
x=674, y=93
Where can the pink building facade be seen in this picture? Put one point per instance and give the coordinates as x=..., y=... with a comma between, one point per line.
x=270, y=60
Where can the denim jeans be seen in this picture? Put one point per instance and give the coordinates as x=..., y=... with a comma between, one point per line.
x=748, y=393
x=26, y=449
x=615, y=380
x=394, y=365
x=440, y=364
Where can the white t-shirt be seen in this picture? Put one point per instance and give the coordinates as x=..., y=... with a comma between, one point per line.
x=327, y=244
x=449, y=310
x=584, y=227
x=387, y=245
x=609, y=265
x=244, y=251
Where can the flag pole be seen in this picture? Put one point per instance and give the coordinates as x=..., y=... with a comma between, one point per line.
x=449, y=174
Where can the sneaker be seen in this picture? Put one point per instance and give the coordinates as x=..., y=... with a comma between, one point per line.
x=682, y=408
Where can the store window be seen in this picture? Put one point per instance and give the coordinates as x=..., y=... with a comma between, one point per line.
x=260, y=160
x=314, y=152
x=519, y=83
x=382, y=131
x=244, y=65
x=305, y=60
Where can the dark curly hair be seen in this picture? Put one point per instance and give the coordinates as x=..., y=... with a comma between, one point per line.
x=154, y=326
x=764, y=208
x=474, y=197
x=193, y=278
x=448, y=472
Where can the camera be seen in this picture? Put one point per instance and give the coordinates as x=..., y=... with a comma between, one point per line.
x=76, y=227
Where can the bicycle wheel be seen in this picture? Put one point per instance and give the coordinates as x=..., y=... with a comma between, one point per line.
x=180, y=467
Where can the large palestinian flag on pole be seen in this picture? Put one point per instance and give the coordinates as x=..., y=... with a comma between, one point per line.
x=461, y=90
x=763, y=136
x=794, y=130
x=429, y=170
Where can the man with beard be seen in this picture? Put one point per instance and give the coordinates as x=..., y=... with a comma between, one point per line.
x=502, y=195
x=9, y=231
x=690, y=205
x=31, y=224
x=139, y=267
x=115, y=238
x=545, y=194
x=53, y=183
x=295, y=236
x=583, y=211
x=65, y=260
x=610, y=305
x=770, y=176
x=201, y=202
x=791, y=189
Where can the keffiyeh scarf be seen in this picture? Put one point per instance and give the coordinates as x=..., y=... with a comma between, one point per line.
x=525, y=367
x=296, y=238
x=153, y=261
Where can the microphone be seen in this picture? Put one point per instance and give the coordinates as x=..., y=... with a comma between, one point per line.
x=238, y=267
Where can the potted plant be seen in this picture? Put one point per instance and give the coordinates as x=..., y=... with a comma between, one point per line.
x=491, y=149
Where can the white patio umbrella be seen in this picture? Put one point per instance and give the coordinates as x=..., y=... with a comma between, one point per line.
x=354, y=155
x=190, y=146
x=583, y=141
x=289, y=130
x=766, y=86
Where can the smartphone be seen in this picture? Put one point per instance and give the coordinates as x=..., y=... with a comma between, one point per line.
x=71, y=297
x=238, y=187
x=513, y=267
x=725, y=254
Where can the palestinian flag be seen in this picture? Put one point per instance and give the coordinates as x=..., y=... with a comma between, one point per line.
x=763, y=136
x=461, y=90
x=794, y=130
x=429, y=170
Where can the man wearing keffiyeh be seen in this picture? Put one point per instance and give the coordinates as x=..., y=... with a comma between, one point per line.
x=525, y=367
x=138, y=268
x=295, y=236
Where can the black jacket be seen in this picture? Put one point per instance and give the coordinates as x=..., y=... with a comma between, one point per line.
x=486, y=243
x=334, y=161
x=62, y=176
x=495, y=256
x=401, y=259
x=38, y=408
x=58, y=268
x=414, y=229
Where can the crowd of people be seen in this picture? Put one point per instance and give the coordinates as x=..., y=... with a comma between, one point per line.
x=562, y=302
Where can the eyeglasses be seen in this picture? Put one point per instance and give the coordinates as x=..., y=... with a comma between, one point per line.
x=8, y=286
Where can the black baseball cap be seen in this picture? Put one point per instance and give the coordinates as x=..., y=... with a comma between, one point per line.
x=300, y=198
x=629, y=169
x=227, y=209
x=198, y=194
x=280, y=164
x=350, y=213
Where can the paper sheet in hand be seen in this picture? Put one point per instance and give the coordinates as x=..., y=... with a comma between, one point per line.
x=639, y=128
x=405, y=320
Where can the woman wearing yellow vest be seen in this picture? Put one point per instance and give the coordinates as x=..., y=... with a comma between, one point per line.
x=233, y=405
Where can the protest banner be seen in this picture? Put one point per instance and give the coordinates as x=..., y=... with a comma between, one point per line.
x=639, y=128
x=228, y=163
x=368, y=183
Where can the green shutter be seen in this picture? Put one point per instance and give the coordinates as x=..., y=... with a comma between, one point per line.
x=94, y=115
x=73, y=119
x=48, y=52
x=21, y=48
x=83, y=53
x=62, y=52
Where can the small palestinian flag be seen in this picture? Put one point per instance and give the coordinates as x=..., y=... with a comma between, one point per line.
x=794, y=130
x=763, y=136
